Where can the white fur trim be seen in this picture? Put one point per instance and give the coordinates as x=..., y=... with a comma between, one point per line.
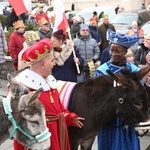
x=35, y=81
x=61, y=57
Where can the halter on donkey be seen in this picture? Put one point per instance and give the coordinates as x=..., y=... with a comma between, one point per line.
x=20, y=121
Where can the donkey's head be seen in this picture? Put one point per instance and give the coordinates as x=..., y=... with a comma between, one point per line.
x=16, y=89
x=30, y=116
x=132, y=104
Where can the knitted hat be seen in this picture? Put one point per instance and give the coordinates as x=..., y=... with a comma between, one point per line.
x=37, y=51
x=84, y=26
x=18, y=24
x=121, y=39
x=41, y=5
x=104, y=15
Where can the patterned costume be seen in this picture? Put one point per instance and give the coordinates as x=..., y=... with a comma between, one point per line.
x=54, y=109
x=58, y=118
x=113, y=136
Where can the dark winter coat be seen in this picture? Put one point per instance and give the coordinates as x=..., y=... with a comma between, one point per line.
x=105, y=56
x=140, y=56
x=65, y=68
x=103, y=30
x=95, y=34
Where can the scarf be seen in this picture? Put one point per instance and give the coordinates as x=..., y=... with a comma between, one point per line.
x=63, y=55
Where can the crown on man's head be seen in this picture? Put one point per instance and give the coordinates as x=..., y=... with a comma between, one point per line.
x=42, y=21
x=31, y=37
x=37, y=51
x=18, y=24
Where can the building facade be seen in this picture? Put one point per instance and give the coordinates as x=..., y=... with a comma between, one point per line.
x=127, y=4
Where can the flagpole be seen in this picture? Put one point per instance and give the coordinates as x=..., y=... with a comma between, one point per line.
x=61, y=22
x=74, y=54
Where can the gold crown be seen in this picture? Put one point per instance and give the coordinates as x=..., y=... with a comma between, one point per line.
x=31, y=37
x=18, y=24
x=42, y=21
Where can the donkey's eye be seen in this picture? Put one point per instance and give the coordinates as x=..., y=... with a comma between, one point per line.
x=35, y=122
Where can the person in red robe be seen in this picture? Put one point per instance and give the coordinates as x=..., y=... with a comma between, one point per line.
x=40, y=56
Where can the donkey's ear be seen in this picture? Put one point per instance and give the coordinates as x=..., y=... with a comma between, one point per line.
x=35, y=95
x=10, y=79
x=142, y=72
x=120, y=79
x=112, y=75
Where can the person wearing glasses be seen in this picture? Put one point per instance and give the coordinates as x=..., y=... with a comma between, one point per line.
x=88, y=49
x=44, y=30
x=112, y=135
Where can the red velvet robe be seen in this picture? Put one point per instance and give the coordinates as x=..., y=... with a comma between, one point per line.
x=51, y=101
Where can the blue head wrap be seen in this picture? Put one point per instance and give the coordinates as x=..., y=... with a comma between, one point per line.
x=121, y=38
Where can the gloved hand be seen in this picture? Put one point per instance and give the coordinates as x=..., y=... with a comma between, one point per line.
x=15, y=62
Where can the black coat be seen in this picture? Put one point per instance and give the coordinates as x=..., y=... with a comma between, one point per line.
x=140, y=56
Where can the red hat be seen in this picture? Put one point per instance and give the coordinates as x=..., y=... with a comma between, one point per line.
x=37, y=51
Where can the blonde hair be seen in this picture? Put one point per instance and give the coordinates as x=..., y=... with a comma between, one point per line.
x=129, y=53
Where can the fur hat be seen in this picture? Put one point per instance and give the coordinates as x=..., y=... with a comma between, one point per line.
x=18, y=24
x=77, y=18
x=121, y=39
x=37, y=51
x=42, y=22
x=31, y=37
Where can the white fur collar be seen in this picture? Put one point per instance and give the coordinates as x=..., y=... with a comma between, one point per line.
x=61, y=57
x=35, y=81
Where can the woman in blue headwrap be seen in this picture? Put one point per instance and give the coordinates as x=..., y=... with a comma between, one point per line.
x=113, y=136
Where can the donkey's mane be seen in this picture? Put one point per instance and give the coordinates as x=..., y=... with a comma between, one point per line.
x=128, y=74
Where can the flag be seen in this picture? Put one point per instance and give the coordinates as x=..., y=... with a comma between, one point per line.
x=20, y=6
x=61, y=21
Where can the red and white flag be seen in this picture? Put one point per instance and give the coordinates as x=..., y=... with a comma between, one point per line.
x=61, y=21
x=20, y=6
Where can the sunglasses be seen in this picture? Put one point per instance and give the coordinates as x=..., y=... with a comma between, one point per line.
x=85, y=30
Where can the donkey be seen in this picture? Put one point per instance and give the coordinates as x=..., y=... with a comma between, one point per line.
x=100, y=99
x=26, y=123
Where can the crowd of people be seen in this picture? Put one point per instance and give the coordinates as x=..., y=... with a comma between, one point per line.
x=52, y=56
